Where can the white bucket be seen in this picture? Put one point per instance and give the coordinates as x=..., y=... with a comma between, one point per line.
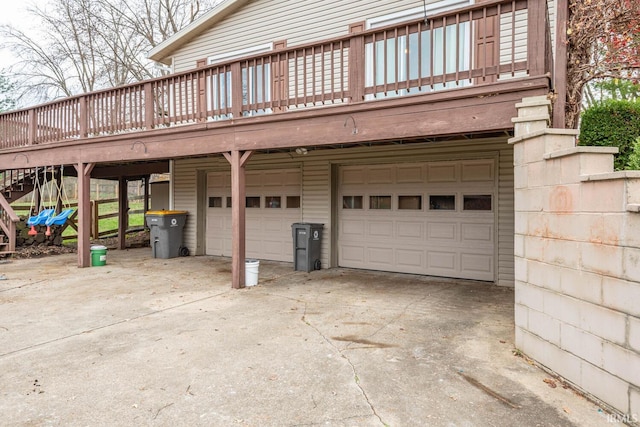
x=251, y=272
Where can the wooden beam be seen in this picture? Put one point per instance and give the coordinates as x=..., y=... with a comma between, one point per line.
x=123, y=212
x=560, y=65
x=536, y=37
x=84, y=213
x=238, y=225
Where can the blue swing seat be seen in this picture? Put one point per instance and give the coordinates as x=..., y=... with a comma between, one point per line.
x=41, y=218
x=59, y=219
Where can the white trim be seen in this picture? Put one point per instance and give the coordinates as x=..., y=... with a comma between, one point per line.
x=416, y=12
x=253, y=50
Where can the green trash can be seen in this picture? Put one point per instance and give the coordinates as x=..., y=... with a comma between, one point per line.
x=98, y=256
x=166, y=233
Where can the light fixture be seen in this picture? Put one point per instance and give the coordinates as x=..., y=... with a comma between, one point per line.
x=301, y=150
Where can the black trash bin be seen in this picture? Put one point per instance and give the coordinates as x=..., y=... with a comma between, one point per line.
x=166, y=233
x=307, y=241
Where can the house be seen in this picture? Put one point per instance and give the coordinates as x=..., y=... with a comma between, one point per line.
x=398, y=125
x=385, y=121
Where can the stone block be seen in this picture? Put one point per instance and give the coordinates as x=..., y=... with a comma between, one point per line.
x=562, y=307
x=562, y=362
x=544, y=275
x=601, y=259
x=520, y=176
x=581, y=284
x=606, y=228
x=558, y=141
x=622, y=363
x=529, y=125
x=518, y=245
x=582, y=344
x=536, y=173
x=530, y=199
x=544, y=326
x=605, y=386
x=560, y=252
x=621, y=295
x=603, y=322
x=634, y=404
x=521, y=269
x=533, y=149
x=629, y=236
x=631, y=264
x=529, y=296
x=603, y=196
x=634, y=334
x=521, y=316
x=563, y=198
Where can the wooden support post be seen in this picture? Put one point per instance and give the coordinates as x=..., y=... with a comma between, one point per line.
x=357, y=63
x=236, y=90
x=145, y=203
x=59, y=195
x=536, y=37
x=123, y=212
x=560, y=65
x=238, y=160
x=84, y=213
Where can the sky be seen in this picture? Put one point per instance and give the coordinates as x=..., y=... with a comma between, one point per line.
x=14, y=12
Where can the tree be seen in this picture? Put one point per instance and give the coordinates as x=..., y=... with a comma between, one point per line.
x=7, y=101
x=87, y=45
x=603, y=43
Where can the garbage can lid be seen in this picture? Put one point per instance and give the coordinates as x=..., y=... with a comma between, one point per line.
x=98, y=248
x=166, y=212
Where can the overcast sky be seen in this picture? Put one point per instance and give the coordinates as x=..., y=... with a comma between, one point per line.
x=14, y=12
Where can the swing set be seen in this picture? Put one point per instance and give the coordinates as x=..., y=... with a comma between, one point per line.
x=47, y=216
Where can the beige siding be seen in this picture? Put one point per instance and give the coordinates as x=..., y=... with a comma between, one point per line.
x=298, y=22
x=317, y=197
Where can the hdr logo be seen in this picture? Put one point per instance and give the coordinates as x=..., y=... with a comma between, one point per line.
x=626, y=418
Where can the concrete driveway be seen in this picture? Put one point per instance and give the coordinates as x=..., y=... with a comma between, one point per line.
x=145, y=341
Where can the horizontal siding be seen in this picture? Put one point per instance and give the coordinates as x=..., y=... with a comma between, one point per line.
x=298, y=22
x=317, y=199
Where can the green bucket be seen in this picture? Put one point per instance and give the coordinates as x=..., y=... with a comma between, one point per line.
x=98, y=256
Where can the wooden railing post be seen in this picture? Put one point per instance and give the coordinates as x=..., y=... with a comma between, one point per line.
x=84, y=118
x=32, y=127
x=536, y=36
x=149, y=106
x=356, y=64
x=236, y=90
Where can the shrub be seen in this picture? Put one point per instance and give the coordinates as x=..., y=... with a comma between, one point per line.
x=612, y=123
x=634, y=157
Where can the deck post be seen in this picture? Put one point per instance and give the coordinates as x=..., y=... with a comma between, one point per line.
x=123, y=212
x=357, y=63
x=84, y=212
x=537, y=36
x=560, y=64
x=238, y=159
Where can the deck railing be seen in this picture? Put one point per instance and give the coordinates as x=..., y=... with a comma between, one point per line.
x=480, y=44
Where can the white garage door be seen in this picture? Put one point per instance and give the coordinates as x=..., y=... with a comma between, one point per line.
x=426, y=218
x=273, y=204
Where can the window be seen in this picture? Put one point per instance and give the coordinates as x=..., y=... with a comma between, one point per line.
x=477, y=202
x=253, y=202
x=379, y=202
x=447, y=203
x=228, y=201
x=351, y=202
x=272, y=202
x=390, y=60
x=215, y=202
x=293, y=202
x=410, y=202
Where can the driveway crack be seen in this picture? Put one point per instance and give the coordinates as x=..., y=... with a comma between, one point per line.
x=345, y=357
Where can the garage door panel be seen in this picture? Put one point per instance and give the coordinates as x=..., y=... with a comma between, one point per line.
x=352, y=255
x=381, y=256
x=353, y=227
x=380, y=229
x=381, y=175
x=410, y=230
x=481, y=233
x=478, y=266
x=477, y=171
x=442, y=231
x=442, y=172
x=410, y=174
x=352, y=176
x=441, y=261
x=410, y=258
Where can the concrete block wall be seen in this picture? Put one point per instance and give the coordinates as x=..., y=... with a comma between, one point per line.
x=577, y=260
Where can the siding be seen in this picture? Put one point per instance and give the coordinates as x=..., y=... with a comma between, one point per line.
x=298, y=22
x=317, y=197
